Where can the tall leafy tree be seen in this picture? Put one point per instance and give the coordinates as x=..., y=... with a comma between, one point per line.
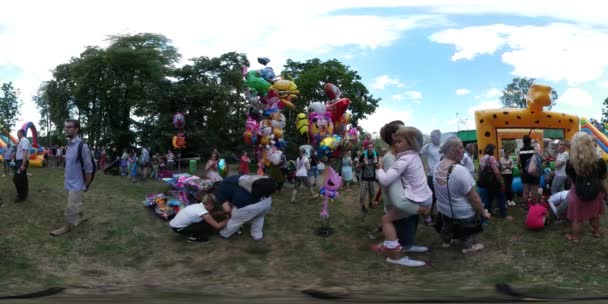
x=110, y=89
x=210, y=92
x=514, y=94
x=10, y=106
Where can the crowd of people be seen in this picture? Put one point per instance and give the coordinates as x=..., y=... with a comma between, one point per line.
x=436, y=182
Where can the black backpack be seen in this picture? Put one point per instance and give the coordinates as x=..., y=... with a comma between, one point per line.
x=587, y=187
x=80, y=145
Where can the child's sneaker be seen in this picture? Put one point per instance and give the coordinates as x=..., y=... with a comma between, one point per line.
x=416, y=249
x=405, y=261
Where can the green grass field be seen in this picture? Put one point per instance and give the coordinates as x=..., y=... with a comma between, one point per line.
x=124, y=248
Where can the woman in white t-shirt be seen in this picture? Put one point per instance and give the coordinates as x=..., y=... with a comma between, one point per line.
x=560, y=178
x=302, y=167
x=195, y=222
x=457, y=199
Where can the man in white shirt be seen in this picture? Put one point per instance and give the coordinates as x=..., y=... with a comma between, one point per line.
x=22, y=156
x=559, y=180
x=431, y=153
x=302, y=167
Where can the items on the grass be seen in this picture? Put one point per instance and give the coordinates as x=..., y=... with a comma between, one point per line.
x=182, y=191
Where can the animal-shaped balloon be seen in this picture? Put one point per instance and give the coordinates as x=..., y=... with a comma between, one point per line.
x=328, y=145
x=257, y=83
x=275, y=156
x=337, y=108
x=320, y=126
x=302, y=124
x=285, y=88
x=332, y=91
x=340, y=124
x=267, y=73
x=277, y=120
x=270, y=101
x=265, y=132
x=286, y=102
x=353, y=135
x=333, y=181
x=179, y=120
x=251, y=127
x=317, y=107
x=179, y=141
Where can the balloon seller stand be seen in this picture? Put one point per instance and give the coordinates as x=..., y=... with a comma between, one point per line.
x=324, y=229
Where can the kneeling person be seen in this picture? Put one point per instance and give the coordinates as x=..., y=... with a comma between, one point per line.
x=249, y=197
x=196, y=222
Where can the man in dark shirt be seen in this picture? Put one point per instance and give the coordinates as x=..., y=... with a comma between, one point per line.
x=368, y=161
x=246, y=207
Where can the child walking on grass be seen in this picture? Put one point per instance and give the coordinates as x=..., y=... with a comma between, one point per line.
x=407, y=170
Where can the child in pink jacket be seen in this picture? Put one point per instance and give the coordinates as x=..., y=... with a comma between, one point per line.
x=409, y=171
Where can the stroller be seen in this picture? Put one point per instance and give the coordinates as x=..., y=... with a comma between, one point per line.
x=113, y=168
x=290, y=174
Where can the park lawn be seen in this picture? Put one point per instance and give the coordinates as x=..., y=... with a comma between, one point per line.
x=124, y=248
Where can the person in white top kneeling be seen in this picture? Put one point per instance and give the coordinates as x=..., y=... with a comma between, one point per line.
x=195, y=221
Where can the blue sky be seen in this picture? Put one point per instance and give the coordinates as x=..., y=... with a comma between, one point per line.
x=427, y=60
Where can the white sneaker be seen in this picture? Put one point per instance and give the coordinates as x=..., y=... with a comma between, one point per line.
x=405, y=261
x=447, y=245
x=475, y=247
x=415, y=248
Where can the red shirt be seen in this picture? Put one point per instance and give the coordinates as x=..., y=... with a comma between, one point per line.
x=534, y=219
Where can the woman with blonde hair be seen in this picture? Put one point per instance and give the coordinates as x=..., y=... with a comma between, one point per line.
x=588, y=174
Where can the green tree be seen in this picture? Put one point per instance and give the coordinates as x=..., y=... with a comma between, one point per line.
x=210, y=92
x=109, y=89
x=310, y=76
x=514, y=94
x=10, y=106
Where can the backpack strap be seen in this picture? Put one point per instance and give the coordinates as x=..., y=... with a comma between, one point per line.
x=447, y=185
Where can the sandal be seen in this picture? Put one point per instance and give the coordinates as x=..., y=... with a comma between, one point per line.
x=596, y=234
x=572, y=238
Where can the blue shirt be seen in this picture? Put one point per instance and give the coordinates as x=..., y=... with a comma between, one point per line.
x=74, y=179
x=145, y=156
x=8, y=153
x=230, y=191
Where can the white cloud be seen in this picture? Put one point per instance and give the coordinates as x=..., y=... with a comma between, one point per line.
x=493, y=93
x=382, y=116
x=603, y=84
x=51, y=34
x=384, y=81
x=554, y=52
x=576, y=97
x=461, y=92
x=489, y=104
x=411, y=96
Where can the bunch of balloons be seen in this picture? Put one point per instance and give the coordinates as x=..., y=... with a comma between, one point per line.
x=327, y=124
x=267, y=95
x=179, y=122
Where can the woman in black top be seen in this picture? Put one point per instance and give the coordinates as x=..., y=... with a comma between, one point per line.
x=530, y=183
